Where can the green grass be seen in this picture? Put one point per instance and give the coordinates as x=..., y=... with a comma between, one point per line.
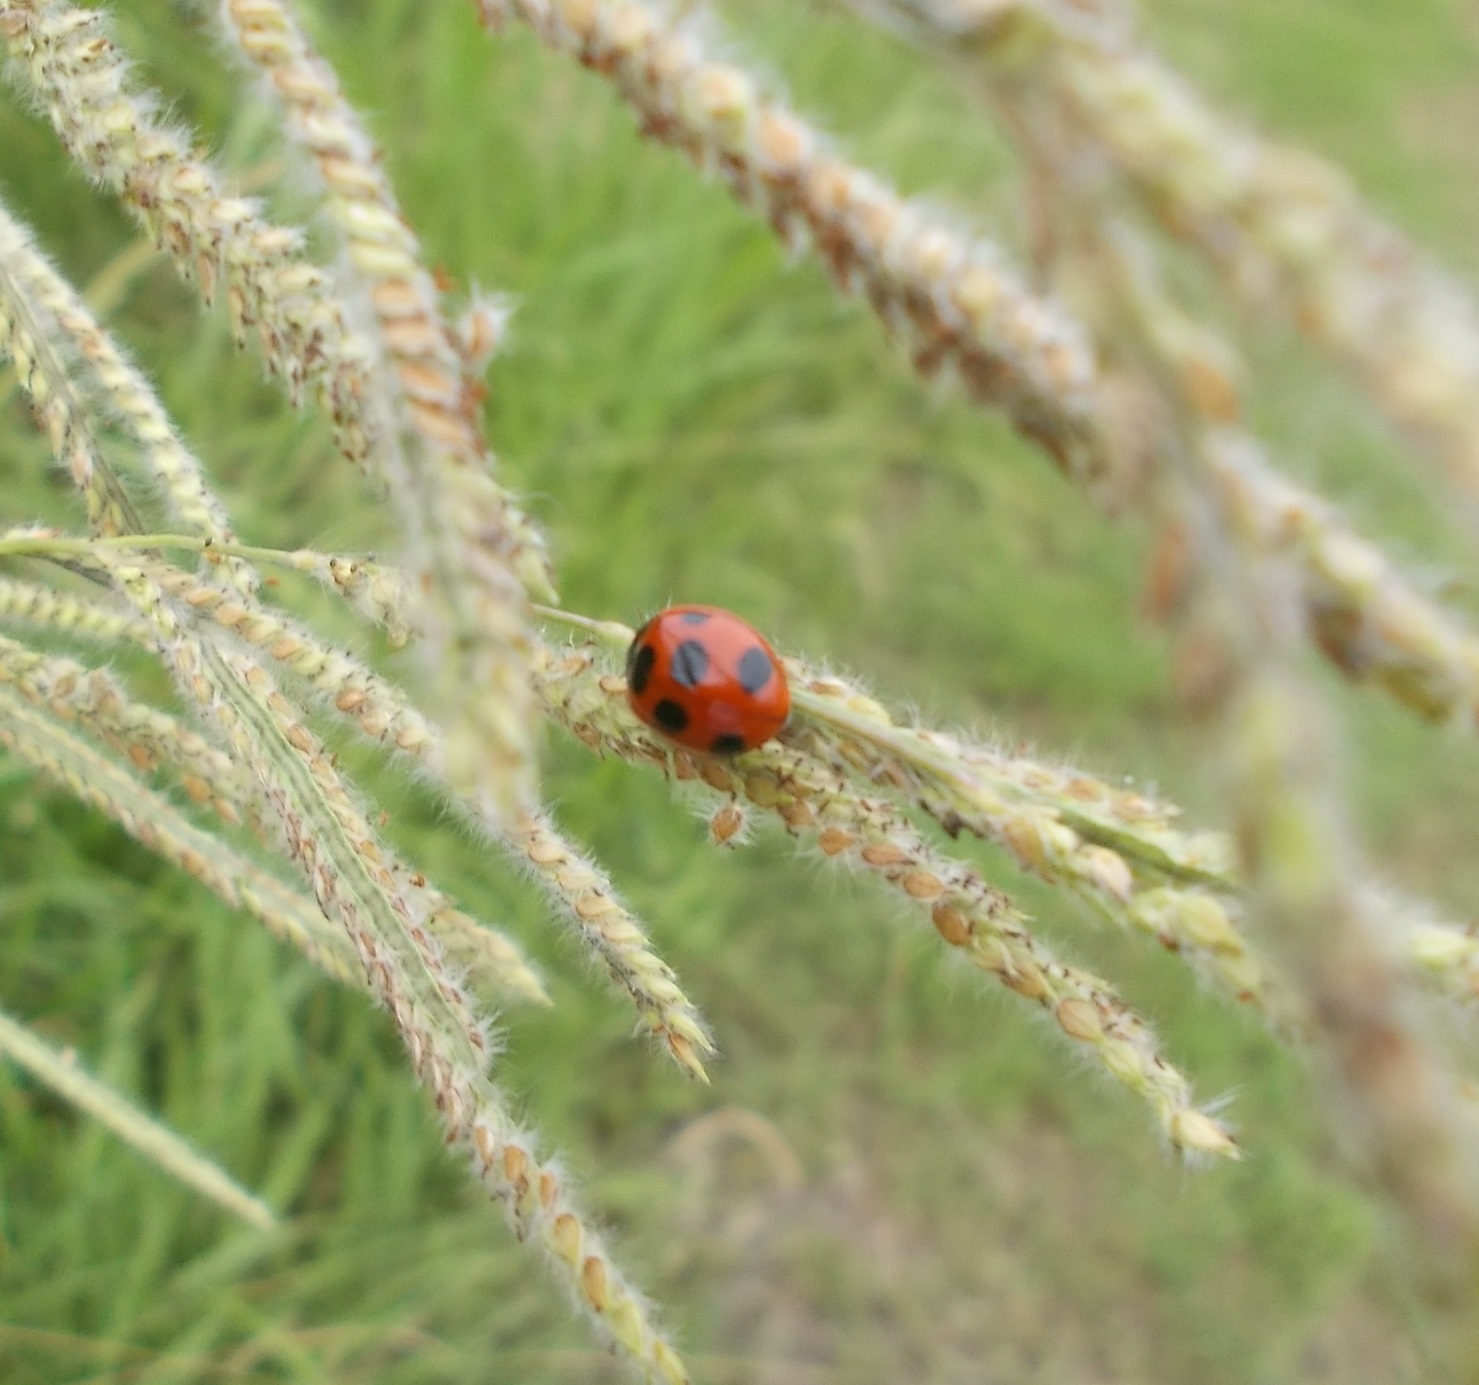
x=694, y=418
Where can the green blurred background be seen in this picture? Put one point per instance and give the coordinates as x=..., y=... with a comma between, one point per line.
x=896, y=1176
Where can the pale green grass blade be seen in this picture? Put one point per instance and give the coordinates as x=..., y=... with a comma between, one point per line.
x=160, y=1145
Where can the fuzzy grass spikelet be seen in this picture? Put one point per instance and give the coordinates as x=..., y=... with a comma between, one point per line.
x=75, y=72
x=950, y=298
x=1145, y=875
x=383, y=911
x=64, y=613
x=43, y=375
x=815, y=802
x=42, y=741
x=148, y=737
x=580, y=891
x=179, y=474
x=474, y=549
x=1244, y=612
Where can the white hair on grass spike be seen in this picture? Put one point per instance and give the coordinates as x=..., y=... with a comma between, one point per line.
x=482, y=329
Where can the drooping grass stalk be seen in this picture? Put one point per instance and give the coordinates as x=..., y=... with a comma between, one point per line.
x=1175, y=886
x=470, y=544
x=1288, y=232
x=581, y=892
x=384, y=914
x=25, y=342
x=152, y=739
x=383, y=909
x=817, y=803
x=180, y=476
x=39, y=293
x=76, y=74
x=156, y=1142
x=377, y=591
x=1244, y=616
x=872, y=835
x=954, y=301
x=146, y=736
x=45, y=743
x=75, y=616
x=950, y=298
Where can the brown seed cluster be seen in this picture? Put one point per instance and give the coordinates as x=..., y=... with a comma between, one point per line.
x=82, y=81
x=472, y=548
x=948, y=297
x=816, y=802
x=1181, y=887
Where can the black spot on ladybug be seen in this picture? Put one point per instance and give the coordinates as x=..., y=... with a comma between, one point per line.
x=754, y=669
x=670, y=717
x=727, y=745
x=694, y=617
x=689, y=663
x=639, y=667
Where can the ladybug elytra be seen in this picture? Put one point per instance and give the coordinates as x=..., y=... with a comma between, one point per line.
x=707, y=680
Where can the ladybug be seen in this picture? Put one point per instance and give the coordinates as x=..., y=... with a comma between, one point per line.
x=707, y=680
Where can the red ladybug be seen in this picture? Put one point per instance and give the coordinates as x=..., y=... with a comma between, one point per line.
x=705, y=679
